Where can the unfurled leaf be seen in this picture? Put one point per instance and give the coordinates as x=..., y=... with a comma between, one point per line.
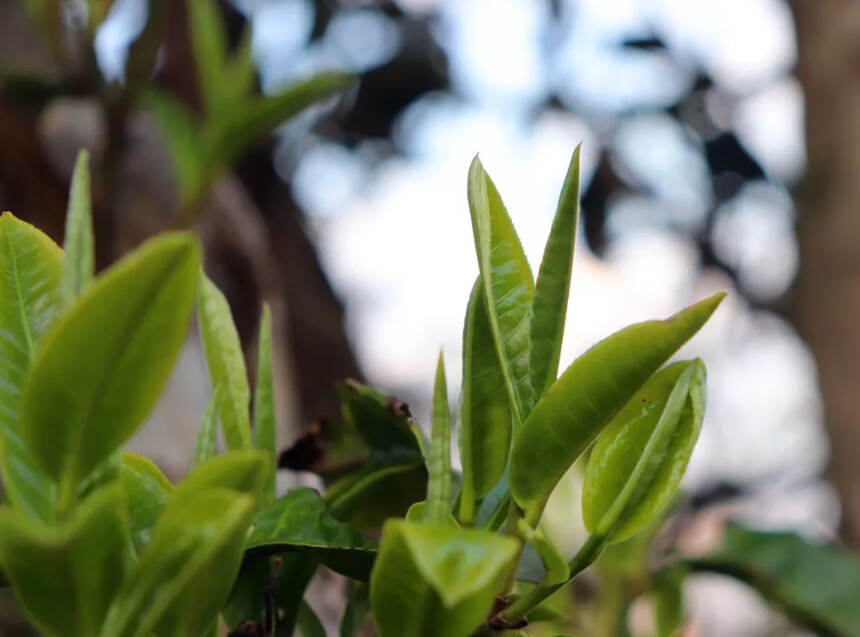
x=103, y=364
x=437, y=581
x=185, y=573
x=235, y=129
x=65, y=577
x=552, y=289
x=78, y=246
x=383, y=423
x=204, y=447
x=243, y=471
x=299, y=522
x=29, y=294
x=264, y=402
x=508, y=286
x=146, y=492
x=377, y=493
x=587, y=396
x=485, y=417
x=815, y=584
x=642, y=453
x=226, y=364
x=439, y=462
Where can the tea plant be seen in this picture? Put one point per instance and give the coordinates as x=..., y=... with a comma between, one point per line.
x=96, y=541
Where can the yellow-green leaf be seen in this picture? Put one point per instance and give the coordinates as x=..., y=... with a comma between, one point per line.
x=78, y=245
x=146, y=491
x=264, y=402
x=439, y=462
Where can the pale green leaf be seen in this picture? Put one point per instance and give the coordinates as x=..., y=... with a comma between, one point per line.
x=587, y=396
x=226, y=363
x=204, y=447
x=439, y=462
x=552, y=289
x=29, y=293
x=264, y=402
x=79, y=245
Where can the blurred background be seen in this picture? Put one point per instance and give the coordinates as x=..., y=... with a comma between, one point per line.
x=721, y=150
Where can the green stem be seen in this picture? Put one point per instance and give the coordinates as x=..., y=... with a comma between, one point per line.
x=582, y=560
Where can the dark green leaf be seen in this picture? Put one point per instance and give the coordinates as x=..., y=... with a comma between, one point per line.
x=308, y=623
x=642, y=453
x=226, y=363
x=299, y=522
x=815, y=584
x=78, y=246
x=146, y=492
x=66, y=576
x=508, y=286
x=29, y=291
x=357, y=608
x=485, y=418
x=553, y=284
x=437, y=581
x=264, y=402
x=103, y=364
x=384, y=423
x=587, y=396
x=439, y=462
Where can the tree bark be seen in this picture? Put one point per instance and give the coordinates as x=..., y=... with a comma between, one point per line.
x=826, y=302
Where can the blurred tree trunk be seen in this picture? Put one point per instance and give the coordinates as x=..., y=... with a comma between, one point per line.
x=827, y=294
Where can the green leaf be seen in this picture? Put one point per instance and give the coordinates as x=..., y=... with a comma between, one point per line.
x=669, y=604
x=29, y=292
x=65, y=577
x=103, y=364
x=226, y=363
x=508, y=286
x=243, y=471
x=185, y=573
x=377, y=493
x=383, y=423
x=552, y=290
x=98, y=10
x=299, y=522
x=184, y=143
x=641, y=455
x=437, y=581
x=209, y=45
x=204, y=447
x=308, y=623
x=78, y=247
x=417, y=513
x=237, y=76
x=587, y=396
x=555, y=566
x=237, y=128
x=815, y=584
x=439, y=462
x=146, y=492
x=357, y=608
x=485, y=418
x=264, y=402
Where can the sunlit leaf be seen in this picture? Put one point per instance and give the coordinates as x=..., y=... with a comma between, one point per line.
x=78, y=246
x=439, y=462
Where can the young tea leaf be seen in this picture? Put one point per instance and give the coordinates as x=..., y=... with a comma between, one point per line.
x=264, y=402
x=485, y=417
x=226, y=363
x=78, y=247
x=439, y=462
x=204, y=447
x=437, y=581
x=587, y=396
x=146, y=492
x=508, y=286
x=646, y=446
x=103, y=364
x=552, y=289
x=30, y=264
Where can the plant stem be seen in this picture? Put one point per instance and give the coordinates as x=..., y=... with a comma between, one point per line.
x=582, y=560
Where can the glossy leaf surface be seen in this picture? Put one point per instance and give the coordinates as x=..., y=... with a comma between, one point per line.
x=485, y=417
x=226, y=364
x=185, y=573
x=29, y=292
x=65, y=577
x=264, y=402
x=78, y=245
x=508, y=286
x=587, y=396
x=299, y=522
x=634, y=437
x=437, y=580
x=101, y=367
x=439, y=461
x=552, y=289
x=146, y=492
x=815, y=584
